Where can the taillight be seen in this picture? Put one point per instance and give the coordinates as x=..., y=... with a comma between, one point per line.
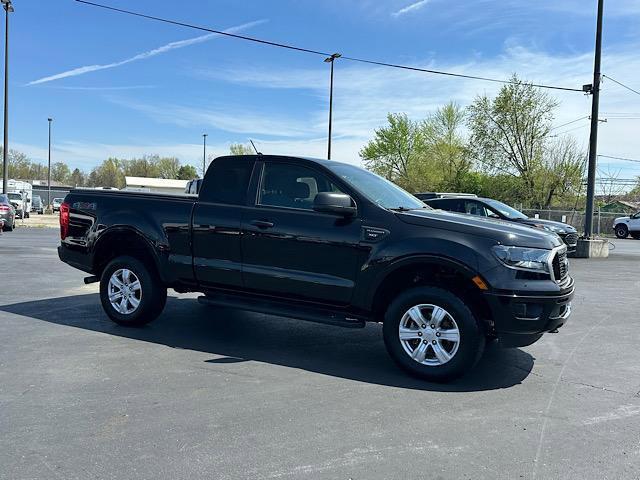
x=5, y=208
x=64, y=220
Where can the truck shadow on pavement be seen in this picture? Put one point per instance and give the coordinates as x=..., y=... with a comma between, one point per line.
x=233, y=337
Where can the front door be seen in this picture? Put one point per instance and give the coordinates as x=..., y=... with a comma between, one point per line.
x=291, y=250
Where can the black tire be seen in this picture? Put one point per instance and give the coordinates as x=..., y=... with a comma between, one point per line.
x=472, y=336
x=8, y=228
x=622, y=231
x=153, y=295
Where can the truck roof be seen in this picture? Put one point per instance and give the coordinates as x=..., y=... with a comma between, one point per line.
x=321, y=161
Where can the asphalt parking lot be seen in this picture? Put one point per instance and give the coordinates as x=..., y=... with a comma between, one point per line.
x=215, y=393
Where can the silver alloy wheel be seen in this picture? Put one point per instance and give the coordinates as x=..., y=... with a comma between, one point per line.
x=125, y=291
x=429, y=334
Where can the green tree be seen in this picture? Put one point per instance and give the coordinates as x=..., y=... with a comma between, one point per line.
x=446, y=146
x=168, y=167
x=60, y=172
x=77, y=178
x=18, y=164
x=510, y=135
x=398, y=153
x=241, y=149
x=108, y=174
x=187, y=172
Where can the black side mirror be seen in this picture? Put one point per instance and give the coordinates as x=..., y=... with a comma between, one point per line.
x=334, y=203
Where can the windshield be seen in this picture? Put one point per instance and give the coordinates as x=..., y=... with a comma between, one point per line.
x=506, y=210
x=375, y=188
x=14, y=196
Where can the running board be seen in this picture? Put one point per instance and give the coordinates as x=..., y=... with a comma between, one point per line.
x=282, y=309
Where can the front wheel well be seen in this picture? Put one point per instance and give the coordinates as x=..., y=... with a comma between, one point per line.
x=122, y=242
x=447, y=277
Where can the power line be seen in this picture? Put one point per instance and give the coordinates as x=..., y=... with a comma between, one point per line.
x=317, y=52
x=620, y=158
x=586, y=117
x=570, y=130
x=622, y=84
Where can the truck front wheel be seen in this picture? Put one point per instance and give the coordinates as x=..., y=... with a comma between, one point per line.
x=432, y=334
x=131, y=293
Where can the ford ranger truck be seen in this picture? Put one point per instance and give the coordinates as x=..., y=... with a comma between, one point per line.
x=327, y=242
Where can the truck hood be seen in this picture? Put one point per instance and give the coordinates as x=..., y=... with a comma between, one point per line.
x=505, y=233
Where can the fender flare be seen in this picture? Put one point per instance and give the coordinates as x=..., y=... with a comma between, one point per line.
x=417, y=260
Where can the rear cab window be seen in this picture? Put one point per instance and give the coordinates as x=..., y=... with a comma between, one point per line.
x=227, y=181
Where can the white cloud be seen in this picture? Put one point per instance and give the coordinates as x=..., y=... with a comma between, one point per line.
x=144, y=55
x=232, y=118
x=410, y=8
x=364, y=95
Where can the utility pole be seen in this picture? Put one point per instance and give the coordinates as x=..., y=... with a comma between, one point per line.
x=593, y=140
x=49, y=170
x=8, y=8
x=330, y=60
x=204, y=154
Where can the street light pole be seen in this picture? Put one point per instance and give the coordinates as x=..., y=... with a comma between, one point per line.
x=49, y=169
x=8, y=7
x=330, y=60
x=204, y=154
x=593, y=139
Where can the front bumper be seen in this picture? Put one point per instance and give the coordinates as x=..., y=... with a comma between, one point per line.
x=521, y=318
x=571, y=241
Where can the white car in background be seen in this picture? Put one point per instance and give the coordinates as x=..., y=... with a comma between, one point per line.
x=625, y=226
x=55, y=204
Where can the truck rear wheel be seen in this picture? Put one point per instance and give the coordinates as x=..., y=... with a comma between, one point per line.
x=131, y=293
x=432, y=334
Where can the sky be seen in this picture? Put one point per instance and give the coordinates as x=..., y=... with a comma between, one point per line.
x=122, y=86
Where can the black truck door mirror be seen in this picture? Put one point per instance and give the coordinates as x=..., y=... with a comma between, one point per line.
x=334, y=203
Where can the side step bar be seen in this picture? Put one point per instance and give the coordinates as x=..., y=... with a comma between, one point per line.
x=281, y=309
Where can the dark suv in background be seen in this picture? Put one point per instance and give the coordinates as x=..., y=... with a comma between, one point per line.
x=489, y=208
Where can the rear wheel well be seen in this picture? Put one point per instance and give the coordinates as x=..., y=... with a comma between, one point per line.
x=446, y=277
x=122, y=242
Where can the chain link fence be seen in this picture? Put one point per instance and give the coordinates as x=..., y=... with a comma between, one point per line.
x=602, y=221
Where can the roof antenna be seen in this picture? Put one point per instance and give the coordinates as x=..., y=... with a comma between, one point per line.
x=254, y=147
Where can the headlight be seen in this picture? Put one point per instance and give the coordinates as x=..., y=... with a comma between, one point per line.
x=554, y=229
x=520, y=258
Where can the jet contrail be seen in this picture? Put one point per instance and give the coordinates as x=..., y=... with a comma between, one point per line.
x=144, y=55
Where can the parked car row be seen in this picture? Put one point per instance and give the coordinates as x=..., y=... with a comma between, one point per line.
x=7, y=213
x=493, y=209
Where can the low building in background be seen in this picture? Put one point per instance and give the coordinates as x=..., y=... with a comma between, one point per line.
x=621, y=206
x=157, y=185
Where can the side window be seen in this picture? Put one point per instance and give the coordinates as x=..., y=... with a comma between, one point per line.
x=474, y=208
x=227, y=181
x=292, y=186
x=491, y=213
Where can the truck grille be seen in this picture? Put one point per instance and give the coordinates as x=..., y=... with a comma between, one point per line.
x=561, y=266
x=571, y=239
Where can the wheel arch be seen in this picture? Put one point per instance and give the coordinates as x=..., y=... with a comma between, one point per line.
x=119, y=241
x=436, y=271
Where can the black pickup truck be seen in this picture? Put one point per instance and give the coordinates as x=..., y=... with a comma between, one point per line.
x=327, y=242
